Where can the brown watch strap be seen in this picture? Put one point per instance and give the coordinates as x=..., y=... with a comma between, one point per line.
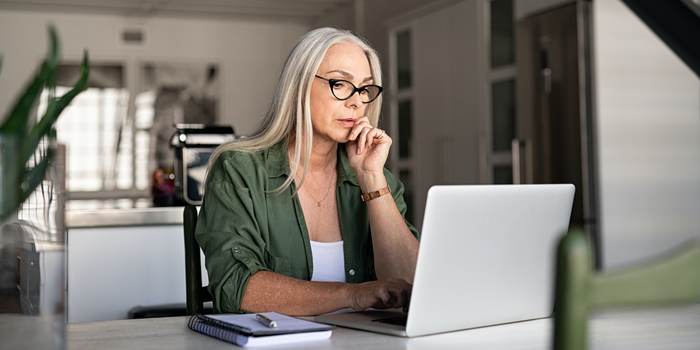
x=372, y=195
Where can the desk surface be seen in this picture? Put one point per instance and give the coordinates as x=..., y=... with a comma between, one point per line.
x=659, y=328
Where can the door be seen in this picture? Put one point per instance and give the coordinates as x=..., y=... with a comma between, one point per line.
x=434, y=98
x=556, y=131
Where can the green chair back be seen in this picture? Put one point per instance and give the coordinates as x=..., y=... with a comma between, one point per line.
x=196, y=294
x=673, y=279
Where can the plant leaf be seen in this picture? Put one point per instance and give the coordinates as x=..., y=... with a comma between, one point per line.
x=10, y=176
x=34, y=176
x=51, y=78
x=53, y=57
x=54, y=110
x=16, y=122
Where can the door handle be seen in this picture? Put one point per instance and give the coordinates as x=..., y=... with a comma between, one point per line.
x=521, y=153
x=515, y=154
x=547, y=79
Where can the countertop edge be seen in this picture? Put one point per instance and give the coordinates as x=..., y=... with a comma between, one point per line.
x=124, y=217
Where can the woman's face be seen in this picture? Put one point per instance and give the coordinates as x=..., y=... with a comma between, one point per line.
x=332, y=119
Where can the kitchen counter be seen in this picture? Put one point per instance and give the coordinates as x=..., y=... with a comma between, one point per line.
x=124, y=217
x=123, y=258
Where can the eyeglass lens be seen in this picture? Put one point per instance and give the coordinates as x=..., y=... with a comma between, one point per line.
x=342, y=90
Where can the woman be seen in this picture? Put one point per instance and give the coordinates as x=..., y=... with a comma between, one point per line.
x=283, y=225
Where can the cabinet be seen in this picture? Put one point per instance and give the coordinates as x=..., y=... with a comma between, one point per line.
x=118, y=259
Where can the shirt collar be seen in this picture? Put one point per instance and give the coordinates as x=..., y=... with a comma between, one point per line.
x=278, y=163
x=276, y=159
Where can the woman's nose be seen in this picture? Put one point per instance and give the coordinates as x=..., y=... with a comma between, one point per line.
x=354, y=100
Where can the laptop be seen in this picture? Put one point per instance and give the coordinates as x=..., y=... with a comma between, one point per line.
x=487, y=257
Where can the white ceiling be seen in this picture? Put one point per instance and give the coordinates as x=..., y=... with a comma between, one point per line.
x=298, y=10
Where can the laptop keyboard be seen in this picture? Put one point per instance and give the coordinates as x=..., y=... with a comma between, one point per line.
x=399, y=320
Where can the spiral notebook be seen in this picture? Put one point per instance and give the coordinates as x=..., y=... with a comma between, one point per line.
x=245, y=330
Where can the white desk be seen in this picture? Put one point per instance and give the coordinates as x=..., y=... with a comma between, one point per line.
x=660, y=328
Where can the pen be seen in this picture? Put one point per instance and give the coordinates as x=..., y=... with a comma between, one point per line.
x=266, y=321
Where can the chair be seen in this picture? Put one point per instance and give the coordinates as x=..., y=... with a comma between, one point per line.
x=673, y=279
x=196, y=294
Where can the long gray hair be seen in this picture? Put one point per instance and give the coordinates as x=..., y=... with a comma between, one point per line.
x=289, y=115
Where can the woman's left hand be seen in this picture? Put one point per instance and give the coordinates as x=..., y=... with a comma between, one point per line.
x=368, y=147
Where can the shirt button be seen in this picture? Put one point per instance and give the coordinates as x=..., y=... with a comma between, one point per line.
x=352, y=272
x=235, y=250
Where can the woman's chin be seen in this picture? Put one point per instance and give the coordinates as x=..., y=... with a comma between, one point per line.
x=337, y=138
x=343, y=137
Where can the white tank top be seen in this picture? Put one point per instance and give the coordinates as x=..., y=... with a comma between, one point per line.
x=329, y=261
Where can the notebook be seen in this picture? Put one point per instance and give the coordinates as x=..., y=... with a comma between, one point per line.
x=487, y=257
x=245, y=330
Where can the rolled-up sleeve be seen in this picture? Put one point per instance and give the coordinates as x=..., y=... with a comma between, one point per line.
x=228, y=232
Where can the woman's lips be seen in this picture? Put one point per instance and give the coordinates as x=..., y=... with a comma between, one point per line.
x=349, y=123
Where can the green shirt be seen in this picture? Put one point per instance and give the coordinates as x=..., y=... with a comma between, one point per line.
x=243, y=227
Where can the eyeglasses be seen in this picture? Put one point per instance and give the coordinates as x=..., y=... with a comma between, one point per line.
x=343, y=90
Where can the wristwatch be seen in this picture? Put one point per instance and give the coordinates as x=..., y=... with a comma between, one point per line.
x=372, y=195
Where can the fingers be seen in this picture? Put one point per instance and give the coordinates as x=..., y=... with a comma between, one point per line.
x=361, y=124
x=359, y=133
x=385, y=299
x=398, y=298
x=367, y=138
x=408, y=301
x=389, y=293
x=365, y=134
x=364, y=140
x=397, y=293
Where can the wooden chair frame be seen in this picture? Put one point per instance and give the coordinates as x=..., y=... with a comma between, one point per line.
x=673, y=279
x=196, y=293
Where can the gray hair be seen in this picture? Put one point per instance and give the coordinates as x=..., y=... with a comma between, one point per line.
x=289, y=115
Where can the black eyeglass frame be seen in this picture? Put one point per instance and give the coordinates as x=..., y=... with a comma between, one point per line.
x=356, y=89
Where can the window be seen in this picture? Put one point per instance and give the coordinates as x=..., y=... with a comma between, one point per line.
x=402, y=118
x=403, y=60
x=502, y=88
x=502, y=33
x=503, y=106
x=117, y=135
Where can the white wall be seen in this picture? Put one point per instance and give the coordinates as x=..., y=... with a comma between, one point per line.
x=649, y=139
x=249, y=53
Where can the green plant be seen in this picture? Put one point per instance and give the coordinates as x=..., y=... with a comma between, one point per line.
x=21, y=134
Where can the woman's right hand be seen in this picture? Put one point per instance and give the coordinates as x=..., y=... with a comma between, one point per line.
x=383, y=294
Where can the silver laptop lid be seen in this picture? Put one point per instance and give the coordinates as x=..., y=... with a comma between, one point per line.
x=487, y=255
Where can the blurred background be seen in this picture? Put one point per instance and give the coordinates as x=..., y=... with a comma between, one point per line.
x=477, y=92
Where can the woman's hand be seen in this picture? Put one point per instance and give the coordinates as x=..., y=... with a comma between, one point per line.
x=389, y=293
x=368, y=148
